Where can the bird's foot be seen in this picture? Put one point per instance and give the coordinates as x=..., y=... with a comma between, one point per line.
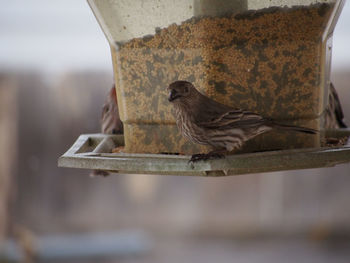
x=205, y=156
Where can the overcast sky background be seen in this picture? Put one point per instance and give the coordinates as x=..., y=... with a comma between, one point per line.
x=63, y=35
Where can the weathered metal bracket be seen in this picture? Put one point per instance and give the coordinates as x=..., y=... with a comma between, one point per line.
x=93, y=151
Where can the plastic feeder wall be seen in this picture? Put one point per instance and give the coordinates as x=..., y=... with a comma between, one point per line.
x=270, y=57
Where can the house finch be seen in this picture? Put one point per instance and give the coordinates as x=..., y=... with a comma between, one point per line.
x=334, y=113
x=110, y=121
x=205, y=121
x=334, y=118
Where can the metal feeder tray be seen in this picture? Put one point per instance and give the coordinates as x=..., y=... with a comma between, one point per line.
x=93, y=151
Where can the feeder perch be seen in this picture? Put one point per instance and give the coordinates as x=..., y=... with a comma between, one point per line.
x=269, y=57
x=85, y=153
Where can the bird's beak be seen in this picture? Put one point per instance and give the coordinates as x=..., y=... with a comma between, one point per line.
x=173, y=95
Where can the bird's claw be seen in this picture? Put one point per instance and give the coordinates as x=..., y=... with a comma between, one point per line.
x=205, y=157
x=198, y=157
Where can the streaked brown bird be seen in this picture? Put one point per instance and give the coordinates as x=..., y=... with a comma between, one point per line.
x=110, y=121
x=334, y=118
x=334, y=113
x=205, y=121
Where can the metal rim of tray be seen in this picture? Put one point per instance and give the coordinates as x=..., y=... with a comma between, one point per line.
x=92, y=151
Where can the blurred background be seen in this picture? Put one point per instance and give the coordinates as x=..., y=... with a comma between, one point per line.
x=55, y=71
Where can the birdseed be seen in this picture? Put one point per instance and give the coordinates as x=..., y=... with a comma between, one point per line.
x=268, y=61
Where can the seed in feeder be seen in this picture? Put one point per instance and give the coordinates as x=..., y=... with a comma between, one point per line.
x=266, y=61
x=262, y=58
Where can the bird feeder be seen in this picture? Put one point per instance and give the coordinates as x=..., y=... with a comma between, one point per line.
x=269, y=57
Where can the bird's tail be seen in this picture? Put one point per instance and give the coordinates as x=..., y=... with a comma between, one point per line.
x=293, y=128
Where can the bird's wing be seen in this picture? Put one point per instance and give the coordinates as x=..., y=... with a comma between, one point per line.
x=337, y=106
x=233, y=118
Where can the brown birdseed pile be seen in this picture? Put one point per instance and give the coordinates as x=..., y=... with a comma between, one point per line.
x=267, y=61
